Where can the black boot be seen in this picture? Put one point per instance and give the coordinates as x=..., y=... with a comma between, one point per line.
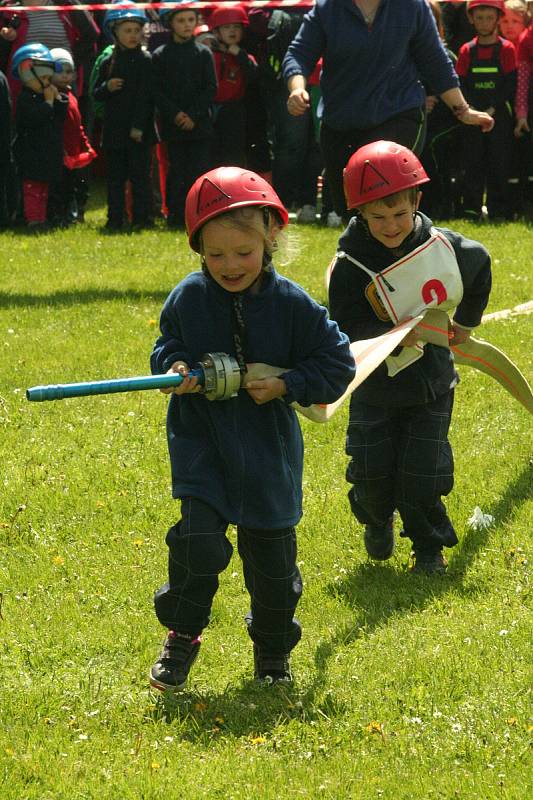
x=170, y=671
x=379, y=540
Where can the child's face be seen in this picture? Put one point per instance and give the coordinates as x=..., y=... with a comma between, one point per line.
x=233, y=257
x=129, y=34
x=230, y=34
x=390, y=226
x=64, y=78
x=485, y=20
x=511, y=25
x=183, y=24
x=38, y=85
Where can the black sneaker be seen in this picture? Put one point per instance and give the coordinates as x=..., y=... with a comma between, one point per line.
x=429, y=562
x=270, y=668
x=170, y=671
x=379, y=540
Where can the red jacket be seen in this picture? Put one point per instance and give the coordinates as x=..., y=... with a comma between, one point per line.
x=77, y=150
x=233, y=73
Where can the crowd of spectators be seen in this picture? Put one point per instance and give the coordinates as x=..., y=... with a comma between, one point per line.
x=162, y=95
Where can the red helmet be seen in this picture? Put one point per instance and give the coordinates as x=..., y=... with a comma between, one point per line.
x=379, y=169
x=223, y=189
x=499, y=5
x=227, y=16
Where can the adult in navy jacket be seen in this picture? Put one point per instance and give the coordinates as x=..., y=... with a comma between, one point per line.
x=375, y=54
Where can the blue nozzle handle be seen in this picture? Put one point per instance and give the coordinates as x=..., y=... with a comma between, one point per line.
x=62, y=390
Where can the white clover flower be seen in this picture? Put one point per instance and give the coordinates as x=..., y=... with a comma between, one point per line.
x=480, y=521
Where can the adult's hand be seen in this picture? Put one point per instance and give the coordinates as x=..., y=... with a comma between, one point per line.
x=298, y=102
x=9, y=34
x=481, y=118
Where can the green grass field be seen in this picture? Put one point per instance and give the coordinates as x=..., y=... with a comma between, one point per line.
x=406, y=686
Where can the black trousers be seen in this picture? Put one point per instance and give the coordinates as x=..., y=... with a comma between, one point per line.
x=407, y=128
x=402, y=459
x=131, y=161
x=487, y=164
x=229, y=146
x=199, y=551
x=187, y=161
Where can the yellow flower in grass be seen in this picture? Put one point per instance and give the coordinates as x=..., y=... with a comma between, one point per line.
x=200, y=707
x=138, y=542
x=155, y=765
x=58, y=560
x=258, y=740
x=374, y=727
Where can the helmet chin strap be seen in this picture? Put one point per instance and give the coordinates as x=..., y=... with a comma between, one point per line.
x=37, y=78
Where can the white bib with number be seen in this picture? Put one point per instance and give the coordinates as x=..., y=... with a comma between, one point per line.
x=428, y=277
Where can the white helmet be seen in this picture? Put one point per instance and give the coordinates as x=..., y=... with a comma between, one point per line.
x=63, y=58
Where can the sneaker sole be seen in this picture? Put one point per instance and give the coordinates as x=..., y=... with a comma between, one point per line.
x=166, y=687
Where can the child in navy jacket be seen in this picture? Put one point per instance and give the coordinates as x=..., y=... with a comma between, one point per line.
x=40, y=115
x=184, y=86
x=399, y=416
x=124, y=85
x=239, y=460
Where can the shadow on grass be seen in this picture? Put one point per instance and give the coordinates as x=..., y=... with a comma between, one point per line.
x=378, y=591
x=375, y=592
x=74, y=297
x=247, y=710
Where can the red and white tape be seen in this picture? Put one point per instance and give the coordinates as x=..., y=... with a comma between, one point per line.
x=197, y=4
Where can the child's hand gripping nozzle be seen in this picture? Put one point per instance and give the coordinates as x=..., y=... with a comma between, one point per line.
x=217, y=373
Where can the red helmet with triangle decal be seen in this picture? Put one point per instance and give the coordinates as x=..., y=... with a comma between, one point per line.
x=499, y=5
x=224, y=189
x=379, y=169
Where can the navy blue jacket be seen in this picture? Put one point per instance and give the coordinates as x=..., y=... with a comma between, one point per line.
x=184, y=80
x=39, y=144
x=369, y=76
x=133, y=105
x=244, y=459
x=434, y=373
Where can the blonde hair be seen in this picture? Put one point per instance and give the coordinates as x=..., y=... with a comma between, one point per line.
x=250, y=219
x=518, y=7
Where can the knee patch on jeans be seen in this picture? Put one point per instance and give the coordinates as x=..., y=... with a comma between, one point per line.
x=199, y=553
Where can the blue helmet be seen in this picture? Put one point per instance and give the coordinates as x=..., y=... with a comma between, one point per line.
x=32, y=60
x=166, y=14
x=117, y=15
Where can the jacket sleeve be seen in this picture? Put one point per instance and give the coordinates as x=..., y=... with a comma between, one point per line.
x=143, y=112
x=33, y=115
x=323, y=362
x=165, y=105
x=169, y=347
x=205, y=97
x=348, y=304
x=475, y=267
x=100, y=91
x=306, y=47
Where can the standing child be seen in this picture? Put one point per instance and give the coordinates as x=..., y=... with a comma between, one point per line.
x=5, y=150
x=239, y=461
x=391, y=257
x=234, y=69
x=524, y=115
x=124, y=85
x=185, y=86
x=487, y=68
x=40, y=116
x=68, y=197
